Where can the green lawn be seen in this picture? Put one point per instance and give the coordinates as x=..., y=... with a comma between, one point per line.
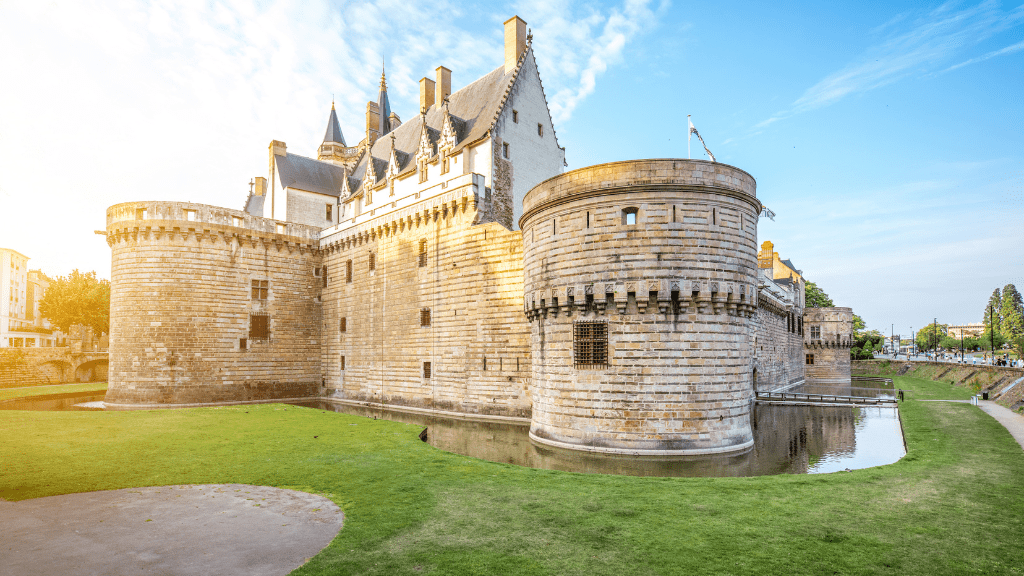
x=61, y=389
x=953, y=505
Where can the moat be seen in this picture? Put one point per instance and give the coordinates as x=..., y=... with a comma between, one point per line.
x=787, y=439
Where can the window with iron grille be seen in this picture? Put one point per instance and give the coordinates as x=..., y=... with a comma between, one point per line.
x=260, y=288
x=259, y=326
x=348, y=271
x=590, y=344
x=373, y=261
x=426, y=369
x=243, y=343
x=425, y=317
x=343, y=325
x=423, y=253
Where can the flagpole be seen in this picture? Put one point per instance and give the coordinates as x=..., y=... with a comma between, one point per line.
x=688, y=133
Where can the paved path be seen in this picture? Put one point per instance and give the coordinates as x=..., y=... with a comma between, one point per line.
x=225, y=529
x=1013, y=421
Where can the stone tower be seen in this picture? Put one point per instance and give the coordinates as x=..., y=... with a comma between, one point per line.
x=828, y=336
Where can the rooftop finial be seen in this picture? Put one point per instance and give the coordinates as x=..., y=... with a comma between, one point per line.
x=383, y=80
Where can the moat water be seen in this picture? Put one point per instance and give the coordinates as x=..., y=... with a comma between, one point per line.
x=787, y=439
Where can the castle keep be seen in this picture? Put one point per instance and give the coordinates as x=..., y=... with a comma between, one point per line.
x=446, y=264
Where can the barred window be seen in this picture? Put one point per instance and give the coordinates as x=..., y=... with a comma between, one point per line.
x=425, y=317
x=260, y=288
x=590, y=344
x=343, y=325
x=810, y=359
x=348, y=271
x=259, y=326
x=243, y=343
x=373, y=261
x=426, y=369
x=423, y=253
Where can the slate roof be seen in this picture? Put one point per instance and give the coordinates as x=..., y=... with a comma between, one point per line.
x=311, y=175
x=473, y=109
x=334, y=129
x=254, y=205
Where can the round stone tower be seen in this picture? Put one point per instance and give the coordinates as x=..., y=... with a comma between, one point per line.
x=828, y=337
x=210, y=306
x=640, y=283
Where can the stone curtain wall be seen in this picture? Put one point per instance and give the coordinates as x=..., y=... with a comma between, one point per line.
x=181, y=301
x=472, y=286
x=832, y=350
x=677, y=290
x=778, y=361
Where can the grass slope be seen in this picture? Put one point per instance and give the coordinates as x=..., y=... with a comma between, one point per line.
x=953, y=505
x=44, y=390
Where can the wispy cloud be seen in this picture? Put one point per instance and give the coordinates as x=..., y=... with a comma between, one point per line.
x=929, y=42
x=576, y=43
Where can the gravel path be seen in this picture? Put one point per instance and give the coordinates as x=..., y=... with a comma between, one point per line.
x=1013, y=421
x=221, y=529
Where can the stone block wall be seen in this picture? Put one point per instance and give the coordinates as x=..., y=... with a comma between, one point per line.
x=675, y=289
x=477, y=340
x=828, y=336
x=181, y=304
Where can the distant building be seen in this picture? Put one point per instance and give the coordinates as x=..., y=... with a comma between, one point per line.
x=20, y=323
x=967, y=330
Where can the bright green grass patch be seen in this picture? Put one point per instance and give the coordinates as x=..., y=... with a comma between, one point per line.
x=952, y=505
x=62, y=389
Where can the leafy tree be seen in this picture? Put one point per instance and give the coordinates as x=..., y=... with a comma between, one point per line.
x=950, y=343
x=987, y=340
x=1012, y=311
x=858, y=324
x=929, y=336
x=1018, y=346
x=991, y=315
x=77, y=299
x=816, y=297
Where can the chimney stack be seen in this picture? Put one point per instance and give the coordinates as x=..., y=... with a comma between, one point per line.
x=278, y=148
x=443, y=88
x=426, y=93
x=515, y=42
x=260, y=189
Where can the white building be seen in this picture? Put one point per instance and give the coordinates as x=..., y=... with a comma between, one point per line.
x=20, y=293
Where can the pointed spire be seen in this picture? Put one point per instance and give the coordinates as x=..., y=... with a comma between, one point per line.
x=333, y=133
x=383, y=106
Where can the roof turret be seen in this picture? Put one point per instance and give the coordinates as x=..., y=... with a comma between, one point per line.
x=383, y=106
x=334, y=129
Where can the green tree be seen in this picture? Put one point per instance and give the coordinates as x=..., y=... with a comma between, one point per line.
x=991, y=315
x=858, y=324
x=77, y=299
x=816, y=297
x=1012, y=311
x=930, y=336
x=987, y=340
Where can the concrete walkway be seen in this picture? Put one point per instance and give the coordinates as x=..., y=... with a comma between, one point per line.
x=225, y=529
x=1013, y=421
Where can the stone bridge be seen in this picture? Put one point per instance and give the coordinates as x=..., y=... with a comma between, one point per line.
x=38, y=366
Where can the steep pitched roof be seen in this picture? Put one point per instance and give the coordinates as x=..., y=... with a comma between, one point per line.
x=303, y=173
x=254, y=205
x=334, y=129
x=473, y=109
x=384, y=106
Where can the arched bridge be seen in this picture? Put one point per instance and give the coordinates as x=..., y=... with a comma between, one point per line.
x=32, y=366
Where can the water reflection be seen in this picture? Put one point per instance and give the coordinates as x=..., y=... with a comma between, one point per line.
x=787, y=440
x=54, y=402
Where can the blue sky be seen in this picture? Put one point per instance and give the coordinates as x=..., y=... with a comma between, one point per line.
x=886, y=136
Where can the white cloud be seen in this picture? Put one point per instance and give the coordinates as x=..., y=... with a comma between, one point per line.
x=929, y=42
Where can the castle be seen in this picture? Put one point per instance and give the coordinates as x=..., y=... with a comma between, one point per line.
x=446, y=264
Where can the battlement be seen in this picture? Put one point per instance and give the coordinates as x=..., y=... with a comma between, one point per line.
x=159, y=218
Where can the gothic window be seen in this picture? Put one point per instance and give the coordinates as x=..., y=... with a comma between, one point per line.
x=259, y=326
x=590, y=344
x=426, y=369
x=425, y=317
x=810, y=359
x=423, y=253
x=260, y=288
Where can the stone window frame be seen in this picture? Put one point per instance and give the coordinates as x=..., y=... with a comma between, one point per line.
x=260, y=290
x=341, y=363
x=425, y=317
x=427, y=370
x=590, y=348
x=809, y=360
x=815, y=332
x=259, y=326
x=423, y=253
x=343, y=324
x=627, y=213
x=348, y=271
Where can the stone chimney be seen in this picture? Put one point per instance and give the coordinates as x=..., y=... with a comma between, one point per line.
x=372, y=122
x=515, y=42
x=426, y=93
x=278, y=148
x=260, y=189
x=443, y=88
